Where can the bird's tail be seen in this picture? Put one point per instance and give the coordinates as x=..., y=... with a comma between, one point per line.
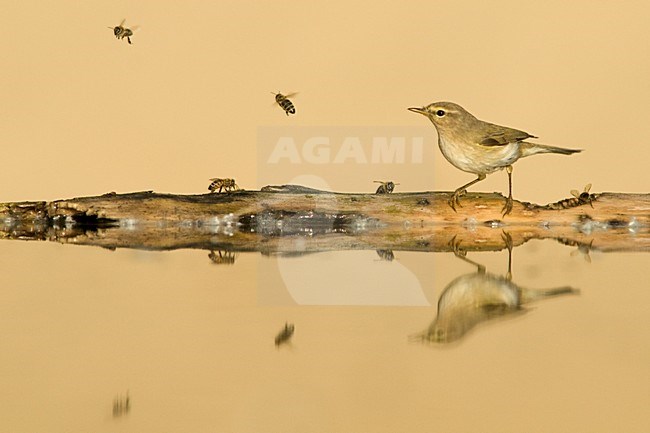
x=533, y=148
x=532, y=295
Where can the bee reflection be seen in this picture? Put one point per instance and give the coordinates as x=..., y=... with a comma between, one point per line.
x=386, y=255
x=583, y=248
x=472, y=299
x=222, y=257
x=285, y=334
x=121, y=405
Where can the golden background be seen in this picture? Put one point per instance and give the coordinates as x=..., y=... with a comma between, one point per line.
x=85, y=114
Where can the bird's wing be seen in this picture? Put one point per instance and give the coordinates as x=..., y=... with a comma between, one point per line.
x=500, y=136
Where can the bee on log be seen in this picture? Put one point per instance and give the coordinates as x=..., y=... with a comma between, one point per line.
x=578, y=199
x=222, y=184
x=385, y=187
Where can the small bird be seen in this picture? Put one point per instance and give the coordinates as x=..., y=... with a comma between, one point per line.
x=479, y=147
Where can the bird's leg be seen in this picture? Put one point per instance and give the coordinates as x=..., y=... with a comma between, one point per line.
x=462, y=254
x=455, y=197
x=507, y=208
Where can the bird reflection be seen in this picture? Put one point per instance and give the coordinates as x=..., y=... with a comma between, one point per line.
x=479, y=297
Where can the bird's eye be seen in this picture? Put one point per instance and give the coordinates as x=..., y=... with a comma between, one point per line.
x=440, y=113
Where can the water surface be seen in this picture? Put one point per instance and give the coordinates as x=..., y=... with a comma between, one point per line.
x=193, y=342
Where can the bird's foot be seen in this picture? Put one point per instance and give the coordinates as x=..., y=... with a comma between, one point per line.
x=454, y=200
x=507, y=208
x=455, y=246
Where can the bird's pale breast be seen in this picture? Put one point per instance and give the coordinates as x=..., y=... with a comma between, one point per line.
x=476, y=158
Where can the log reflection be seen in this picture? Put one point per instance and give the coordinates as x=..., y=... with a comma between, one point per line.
x=385, y=240
x=479, y=297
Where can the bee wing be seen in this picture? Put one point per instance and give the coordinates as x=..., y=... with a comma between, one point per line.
x=290, y=95
x=587, y=187
x=378, y=181
x=575, y=193
x=215, y=178
x=134, y=28
x=274, y=102
x=122, y=23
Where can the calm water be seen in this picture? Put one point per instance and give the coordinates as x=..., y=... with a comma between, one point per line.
x=192, y=342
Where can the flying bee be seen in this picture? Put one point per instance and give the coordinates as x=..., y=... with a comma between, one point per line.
x=222, y=257
x=222, y=184
x=578, y=199
x=122, y=32
x=284, y=102
x=285, y=334
x=385, y=187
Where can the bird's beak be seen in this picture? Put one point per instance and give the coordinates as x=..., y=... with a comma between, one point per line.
x=418, y=110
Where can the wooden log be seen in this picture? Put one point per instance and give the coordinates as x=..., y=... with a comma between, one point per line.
x=285, y=219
